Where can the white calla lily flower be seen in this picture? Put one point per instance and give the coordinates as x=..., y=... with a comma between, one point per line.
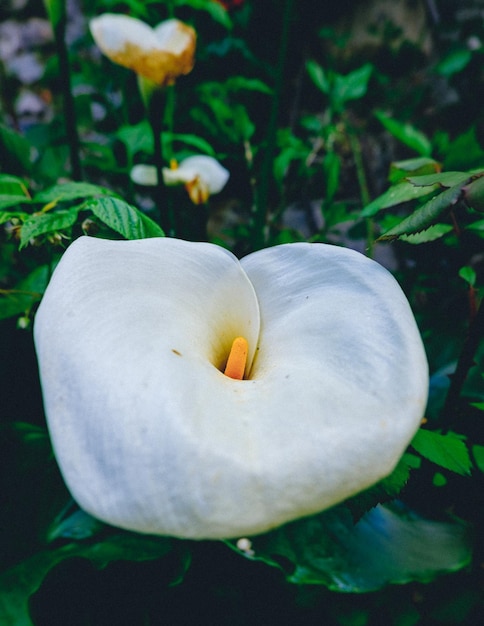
x=202, y=176
x=150, y=434
x=160, y=54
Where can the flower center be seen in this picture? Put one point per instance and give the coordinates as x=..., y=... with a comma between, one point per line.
x=237, y=360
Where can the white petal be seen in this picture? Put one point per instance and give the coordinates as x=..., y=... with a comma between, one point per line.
x=128, y=337
x=144, y=175
x=173, y=36
x=113, y=32
x=341, y=356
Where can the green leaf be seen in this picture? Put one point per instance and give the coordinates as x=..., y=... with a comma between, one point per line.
x=436, y=231
x=241, y=83
x=216, y=10
x=417, y=166
x=136, y=138
x=20, y=582
x=17, y=148
x=448, y=451
x=402, y=192
x=123, y=218
x=443, y=179
x=478, y=453
x=468, y=274
x=9, y=201
x=406, y=133
x=69, y=191
x=13, y=186
x=390, y=544
x=43, y=223
x=26, y=293
x=455, y=61
x=318, y=76
x=426, y=215
x=465, y=152
x=351, y=86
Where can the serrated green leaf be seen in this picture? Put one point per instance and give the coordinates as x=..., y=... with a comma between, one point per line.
x=432, y=233
x=20, y=582
x=426, y=215
x=43, y=223
x=385, y=490
x=390, y=544
x=69, y=191
x=123, y=218
x=406, y=133
x=401, y=192
x=448, y=451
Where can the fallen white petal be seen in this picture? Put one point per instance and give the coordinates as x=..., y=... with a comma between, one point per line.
x=151, y=436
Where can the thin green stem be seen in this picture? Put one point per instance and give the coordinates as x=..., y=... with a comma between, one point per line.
x=364, y=191
x=259, y=218
x=69, y=108
x=155, y=116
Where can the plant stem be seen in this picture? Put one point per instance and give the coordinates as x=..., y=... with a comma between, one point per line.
x=465, y=362
x=69, y=108
x=156, y=107
x=364, y=192
x=259, y=218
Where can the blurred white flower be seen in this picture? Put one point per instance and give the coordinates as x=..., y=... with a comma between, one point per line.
x=202, y=176
x=132, y=339
x=160, y=54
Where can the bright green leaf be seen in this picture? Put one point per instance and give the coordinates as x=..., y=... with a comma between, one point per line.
x=448, y=451
x=351, y=86
x=69, y=191
x=478, y=453
x=43, y=223
x=418, y=166
x=468, y=274
x=318, y=76
x=406, y=133
x=123, y=218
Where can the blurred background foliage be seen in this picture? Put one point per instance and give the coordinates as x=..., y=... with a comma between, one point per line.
x=357, y=123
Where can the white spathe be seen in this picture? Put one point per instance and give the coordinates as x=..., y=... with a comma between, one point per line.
x=202, y=175
x=160, y=54
x=151, y=436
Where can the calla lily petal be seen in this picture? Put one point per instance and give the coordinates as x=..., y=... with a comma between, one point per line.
x=151, y=436
x=160, y=54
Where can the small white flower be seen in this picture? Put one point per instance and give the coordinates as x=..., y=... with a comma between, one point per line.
x=160, y=54
x=132, y=339
x=202, y=176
